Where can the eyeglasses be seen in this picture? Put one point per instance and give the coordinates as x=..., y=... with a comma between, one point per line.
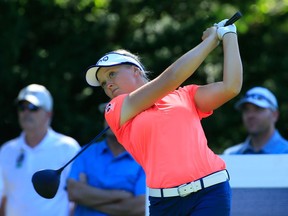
x=30, y=107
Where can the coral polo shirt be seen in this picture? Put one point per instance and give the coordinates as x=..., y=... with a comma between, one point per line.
x=167, y=139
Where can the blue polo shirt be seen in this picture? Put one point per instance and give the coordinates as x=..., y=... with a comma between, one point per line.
x=105, y=171
x=275, y=145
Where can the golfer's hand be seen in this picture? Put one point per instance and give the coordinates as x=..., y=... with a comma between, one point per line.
x=209, y=32
x=221, y=24
x=222, y=30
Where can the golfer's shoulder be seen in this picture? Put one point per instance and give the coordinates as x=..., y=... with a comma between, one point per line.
x=10, y=145
x=63, y=140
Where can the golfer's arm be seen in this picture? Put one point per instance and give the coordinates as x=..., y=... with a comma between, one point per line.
x=211, y=96
x=84, y=194
x=169, y=80
x=134, y=206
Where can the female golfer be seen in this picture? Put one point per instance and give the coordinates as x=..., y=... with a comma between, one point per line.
x=159, y=123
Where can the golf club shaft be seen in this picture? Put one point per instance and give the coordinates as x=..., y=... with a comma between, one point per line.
x=83, y=149
x=234, y=18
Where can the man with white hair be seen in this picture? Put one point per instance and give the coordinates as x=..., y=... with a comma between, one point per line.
x=38, y=147
x=259, y=108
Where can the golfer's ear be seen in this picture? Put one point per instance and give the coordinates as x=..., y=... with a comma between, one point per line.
x=136, y=70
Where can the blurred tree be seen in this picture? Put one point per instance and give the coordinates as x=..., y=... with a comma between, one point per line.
x=53, y=42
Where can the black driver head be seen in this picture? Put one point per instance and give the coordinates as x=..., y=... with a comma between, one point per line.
x=46, y=182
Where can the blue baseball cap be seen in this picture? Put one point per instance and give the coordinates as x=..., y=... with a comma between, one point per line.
x=259, y=96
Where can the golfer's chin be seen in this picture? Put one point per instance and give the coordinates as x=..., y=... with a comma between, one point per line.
x=116, y=93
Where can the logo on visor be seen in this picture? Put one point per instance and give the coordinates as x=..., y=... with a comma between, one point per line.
x=104, y=59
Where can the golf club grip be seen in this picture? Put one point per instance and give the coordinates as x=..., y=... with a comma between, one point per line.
x=234, y=18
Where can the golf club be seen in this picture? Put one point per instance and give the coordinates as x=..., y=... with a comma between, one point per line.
x=46, y=182
x=234, y=18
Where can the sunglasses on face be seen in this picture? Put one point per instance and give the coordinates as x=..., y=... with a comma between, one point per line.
x=30, y=107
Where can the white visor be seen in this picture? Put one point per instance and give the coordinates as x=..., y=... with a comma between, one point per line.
x=110, y=59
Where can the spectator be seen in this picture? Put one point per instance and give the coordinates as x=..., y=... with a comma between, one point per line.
x=105, y=180
x=38, y=147
x=260, y=113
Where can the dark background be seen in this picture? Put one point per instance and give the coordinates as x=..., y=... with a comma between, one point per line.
x=53, y=42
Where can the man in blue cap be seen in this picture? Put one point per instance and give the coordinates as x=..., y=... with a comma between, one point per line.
x=260, y=113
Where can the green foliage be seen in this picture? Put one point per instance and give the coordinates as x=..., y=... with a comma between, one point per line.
x=53, y=42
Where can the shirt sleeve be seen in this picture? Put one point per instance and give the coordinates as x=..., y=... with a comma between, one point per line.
x=191, y=90
x=112, y=116
x=113, y=111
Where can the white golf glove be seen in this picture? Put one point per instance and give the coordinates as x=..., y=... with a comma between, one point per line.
x=221, y=30
x=221, y=24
